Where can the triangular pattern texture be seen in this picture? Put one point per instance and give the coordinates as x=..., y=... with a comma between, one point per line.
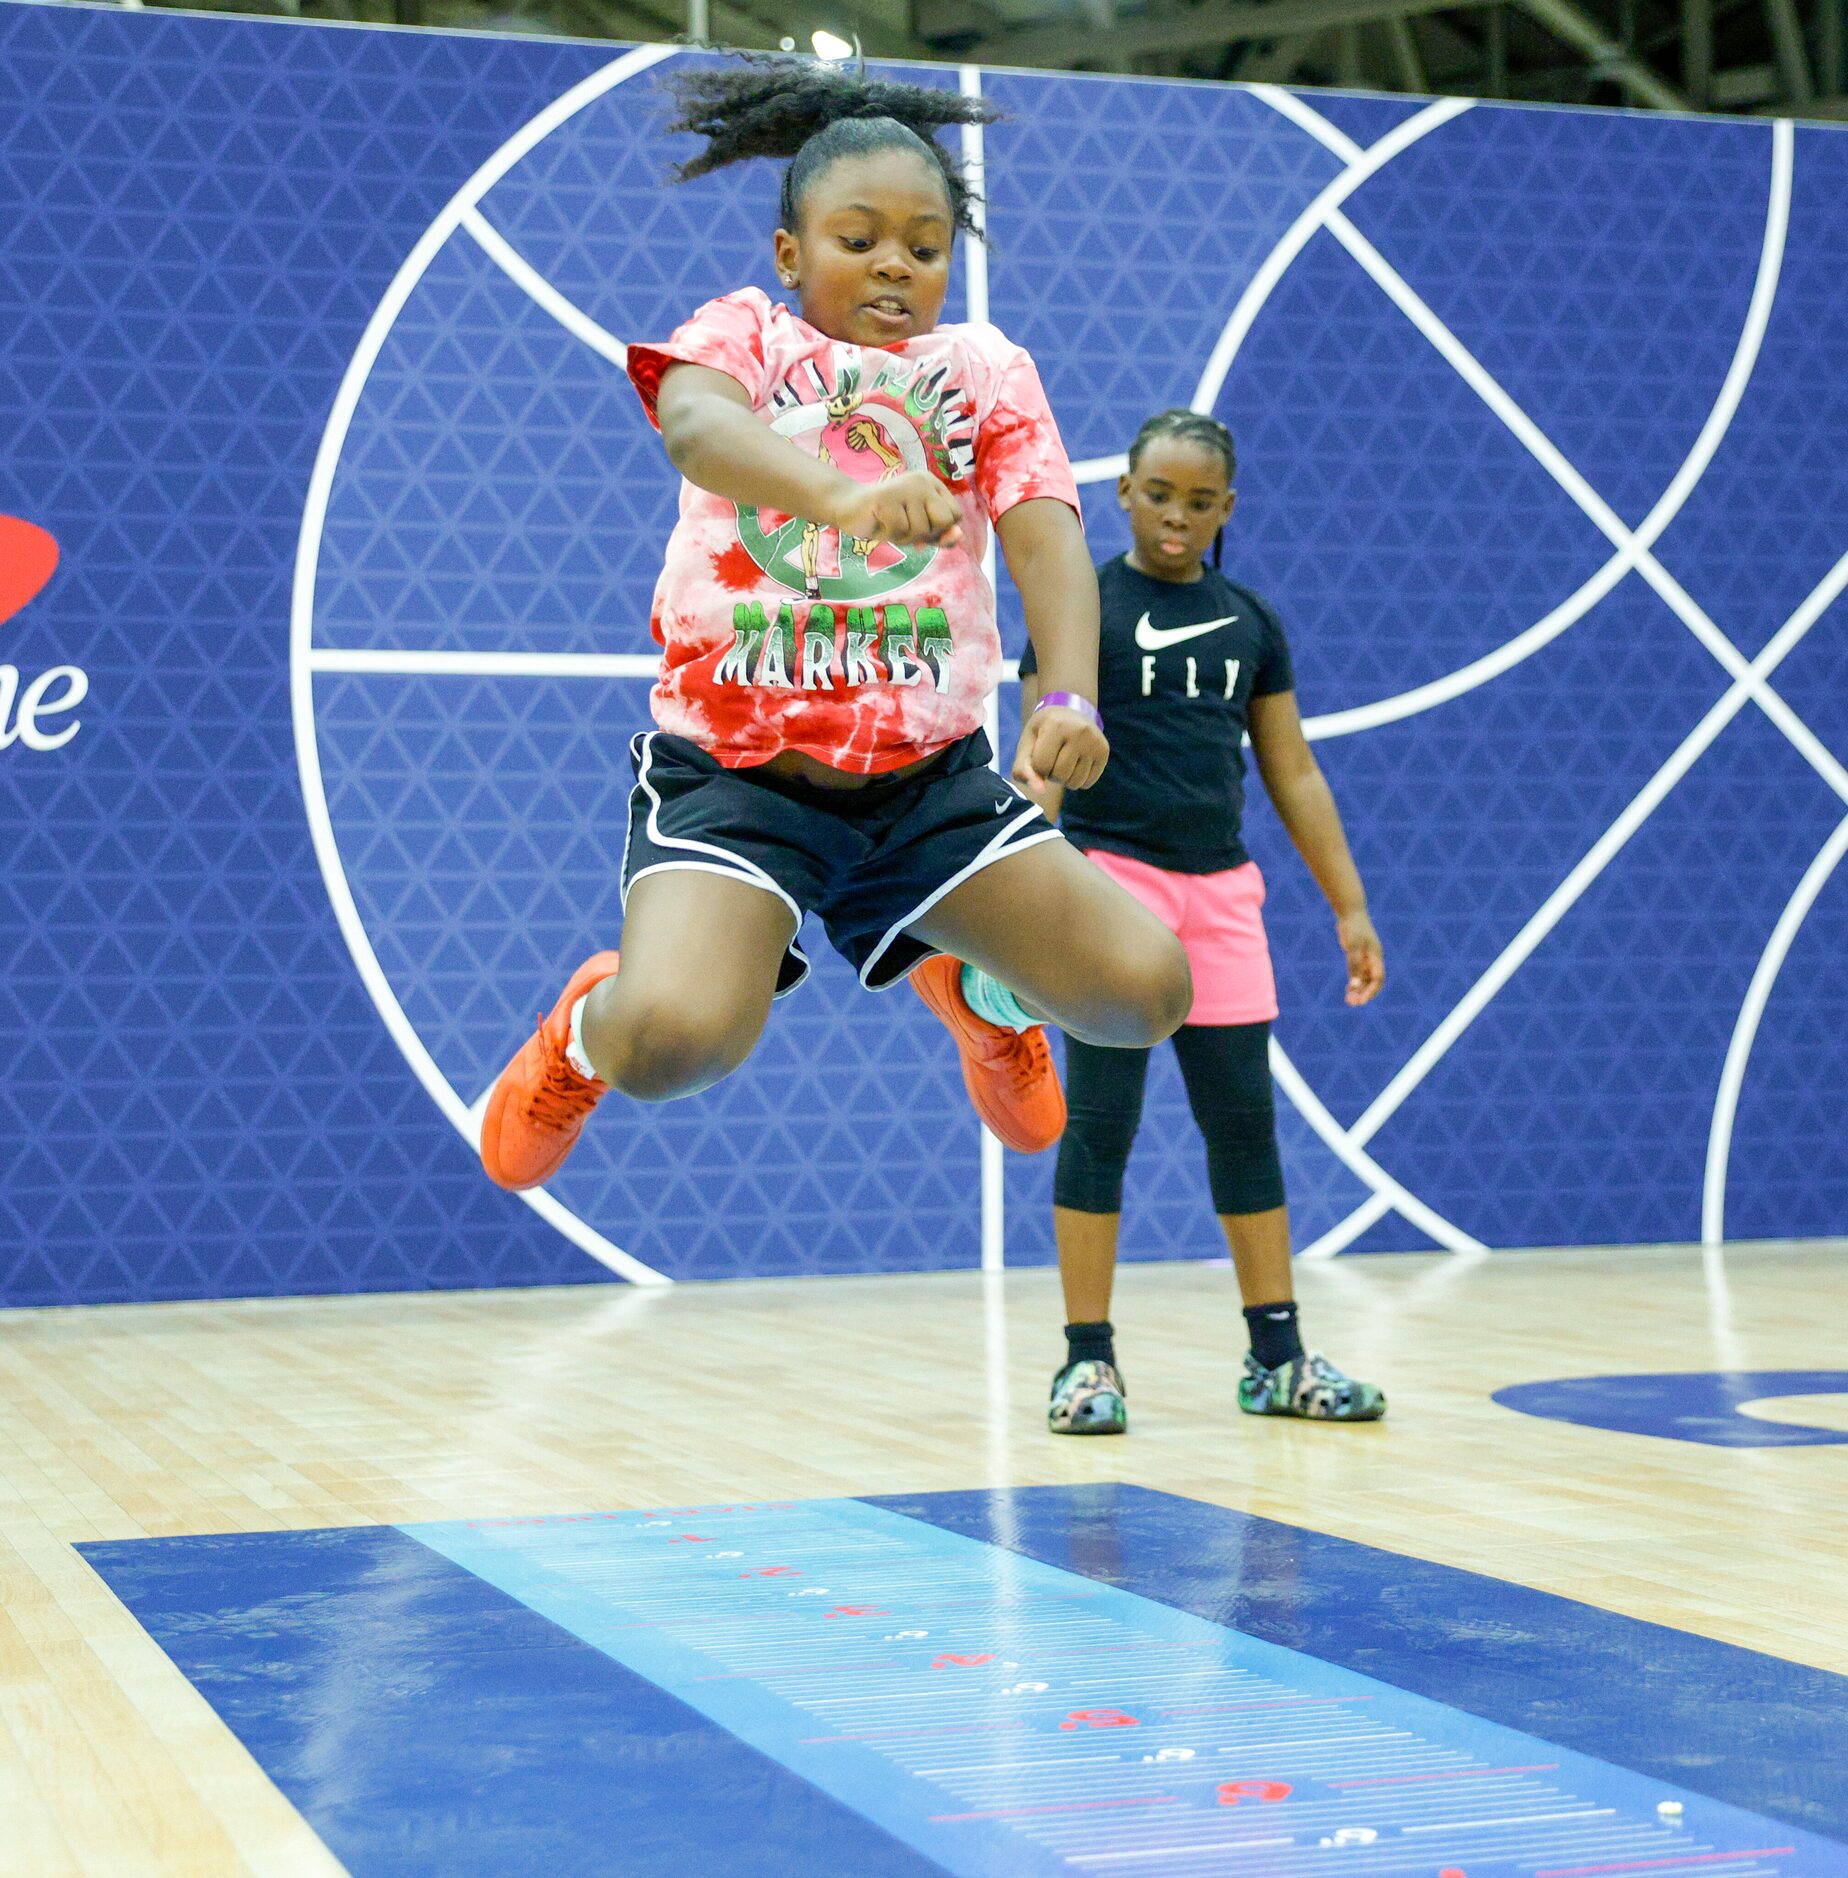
x=200, y=1097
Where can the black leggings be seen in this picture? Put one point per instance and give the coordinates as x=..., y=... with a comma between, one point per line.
x=1226, y=1068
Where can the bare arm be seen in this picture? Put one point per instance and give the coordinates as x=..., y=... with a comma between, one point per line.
x=1306, y=806
x=715, y=440
x=1049, y=795
x=1044, y=545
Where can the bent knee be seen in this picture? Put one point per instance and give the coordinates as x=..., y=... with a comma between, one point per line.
x=1164, y=992
x=666, y=1053
x=1147, y=999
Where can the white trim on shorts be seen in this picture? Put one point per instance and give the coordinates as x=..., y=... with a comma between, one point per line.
x=998, y=849
x=734, y=866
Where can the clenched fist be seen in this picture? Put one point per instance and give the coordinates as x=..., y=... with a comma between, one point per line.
x=1060, y=746
x=912, y=511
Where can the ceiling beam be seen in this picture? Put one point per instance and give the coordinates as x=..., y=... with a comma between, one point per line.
x=1697, y=50
x=1831, y=48
x=1791, y=53
x=1212, y=24
x=1412, y=73
x=1206, y=25
x=1566, y=20
x=1276, y=63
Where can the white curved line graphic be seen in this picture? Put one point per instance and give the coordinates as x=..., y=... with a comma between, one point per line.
x=1258, y=290
x=1306, y=117
x=1599, y=856
x=1745, y=1031
x=301, y=634
x=1360, y=165
x=420, y=664
x=542, y=293
x=992, y=1156
x=1339, y=1237
x=1296, y=237
x=1360, y=1163
x=1599, y=512
x=1668, y=505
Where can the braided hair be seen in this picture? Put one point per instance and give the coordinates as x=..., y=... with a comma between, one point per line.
x=1190, y=427
x=814, y=114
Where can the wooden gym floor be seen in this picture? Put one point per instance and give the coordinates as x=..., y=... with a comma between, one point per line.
x=271, y=1416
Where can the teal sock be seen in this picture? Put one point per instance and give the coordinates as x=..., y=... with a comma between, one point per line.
x=990, y=998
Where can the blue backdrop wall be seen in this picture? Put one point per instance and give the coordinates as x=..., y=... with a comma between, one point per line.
x=312, y=749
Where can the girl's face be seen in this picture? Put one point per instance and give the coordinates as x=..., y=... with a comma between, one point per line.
x=1176, y=500
x=871, y=255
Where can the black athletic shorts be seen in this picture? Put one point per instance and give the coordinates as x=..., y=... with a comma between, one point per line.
x=868, y=861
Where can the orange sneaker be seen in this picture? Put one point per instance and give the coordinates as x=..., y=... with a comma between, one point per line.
x=540, y=1104
x=1009, y=1073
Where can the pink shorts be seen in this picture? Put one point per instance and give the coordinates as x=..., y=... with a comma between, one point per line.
x=1219, y=920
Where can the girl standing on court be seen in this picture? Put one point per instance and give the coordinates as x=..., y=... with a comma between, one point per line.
x=828, y=644
x=1189, y=662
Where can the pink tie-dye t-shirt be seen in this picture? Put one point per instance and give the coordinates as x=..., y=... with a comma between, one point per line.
x=780, y=635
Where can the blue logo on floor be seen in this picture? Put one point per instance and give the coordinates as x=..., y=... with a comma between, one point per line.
x=1702, y=1405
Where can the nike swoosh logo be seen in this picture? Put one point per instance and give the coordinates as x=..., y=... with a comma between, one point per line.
x=1157, y=638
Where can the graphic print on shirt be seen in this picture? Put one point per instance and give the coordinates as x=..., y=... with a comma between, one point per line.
x=1153, y=639
x=878, y=420
x=903, y=416
x=1180, y=665
x=865, y=655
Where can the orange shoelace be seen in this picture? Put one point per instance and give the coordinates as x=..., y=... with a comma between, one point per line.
x=563, y=1096
x=1029, y=1060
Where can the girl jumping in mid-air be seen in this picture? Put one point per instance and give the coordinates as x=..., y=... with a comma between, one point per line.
x=1189, y=663
x=828, y=646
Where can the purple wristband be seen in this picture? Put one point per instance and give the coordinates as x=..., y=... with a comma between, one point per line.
x=1070, y=701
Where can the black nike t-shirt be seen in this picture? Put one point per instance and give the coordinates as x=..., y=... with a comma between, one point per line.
x=1178, y=666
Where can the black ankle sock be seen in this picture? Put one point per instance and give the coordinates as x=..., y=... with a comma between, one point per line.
x=1090, y=1343
x=1275, y=1340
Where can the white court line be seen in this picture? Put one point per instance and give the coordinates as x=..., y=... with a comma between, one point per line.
x=1264, y=282
x=1630, y=551
x=1524, y=1819
x=1339, y=1237
x=1361, y=165
x=1553, y=461
x=534, y=284
x=993, y=1156
x=1745, y=1031
x=407, y=664
x=1099, y=469
x=975, y=168
x=301, y=634
x=1356, y=1159
x=1306, y=117
x=1749, y=676
x=1173, y=1851
x=1597, y=858
x=1576, y=605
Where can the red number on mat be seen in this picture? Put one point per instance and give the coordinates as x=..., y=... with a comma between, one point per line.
x=967, y=1662
x=1232, y=1791
x=858, y=1610
x=1099, y=1718
x=690, y=1538
x=772, y=1571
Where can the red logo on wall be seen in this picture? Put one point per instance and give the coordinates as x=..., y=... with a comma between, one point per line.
x=30, y=712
